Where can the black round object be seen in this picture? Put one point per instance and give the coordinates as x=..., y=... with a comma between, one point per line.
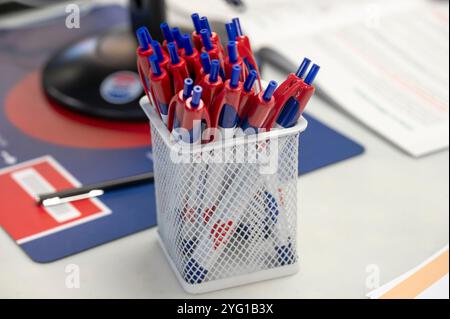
x=78, y=76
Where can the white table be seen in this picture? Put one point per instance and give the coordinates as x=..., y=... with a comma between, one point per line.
x=383, y=208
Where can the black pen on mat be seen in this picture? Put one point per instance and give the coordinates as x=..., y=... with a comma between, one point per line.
x=93, y=190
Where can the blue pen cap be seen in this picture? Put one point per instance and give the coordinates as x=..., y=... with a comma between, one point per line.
x=303, y=68
x=174, y=57
x=177, y=36
x=250, y=80
x=206, y=39
x=206, y=62
x=144, y=38
x=232, y=51
x=270, y=89
x=204, y=23
x=196, y=95
x=235, y=76
x=230, y=31
x=312, y=74
x=187, y=45
x=166, y=32
x=214, y=73
x=196, y=21
x=157, y=50
x=187, y=88
x=154, y=64
x=237, y=26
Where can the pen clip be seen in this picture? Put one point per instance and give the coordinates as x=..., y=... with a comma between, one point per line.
x=290, y=88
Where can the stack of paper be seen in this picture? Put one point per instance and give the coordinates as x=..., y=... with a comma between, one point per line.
x=429, y=280
x=384, y=62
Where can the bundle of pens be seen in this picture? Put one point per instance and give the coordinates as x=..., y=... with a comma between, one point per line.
x=226, y=216
x=195, y=84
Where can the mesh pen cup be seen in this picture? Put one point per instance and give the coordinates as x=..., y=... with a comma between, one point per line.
x=227, y=211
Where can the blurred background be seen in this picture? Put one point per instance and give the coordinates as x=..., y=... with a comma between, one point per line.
x=69, y=92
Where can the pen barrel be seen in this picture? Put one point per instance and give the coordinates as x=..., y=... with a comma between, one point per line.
x=228, y=67
x=143, y=67
x=178, y=73
x=225, y=108
x=303, y=96
x=164, y=45
x=164, y=63
x=194, y=65
x=247, y=55
x=142, y=60
x=295, y=102
x=289, y=88
x=259, y=111
x=210, y=90
x=216, y=54
x=215, y=39
x=175, y=103
x=188, y=122
x=161, y=87
x=197, y=41
x=244, y=102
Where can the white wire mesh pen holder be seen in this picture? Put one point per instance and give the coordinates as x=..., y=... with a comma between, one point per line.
x=226, y=224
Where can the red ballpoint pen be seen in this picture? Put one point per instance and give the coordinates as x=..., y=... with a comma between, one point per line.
x=260, y=107
x=233, y=59
x=215, y=39
x=225, y=108
x=161, y=87
x=167, y=33
x=192, y=57
x=177, y=68
x=206, y=67
x=211, y=83
x=188, y=119
x=161, y=55
x=144, y=51
x=179, y=100
x=292, y=87
x=196, y=37
x=244, y=48
x=291, y=111
x=176, y=32
x=212, y=49
x=248, y=92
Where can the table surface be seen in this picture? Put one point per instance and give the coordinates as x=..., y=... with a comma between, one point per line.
x=383, y=209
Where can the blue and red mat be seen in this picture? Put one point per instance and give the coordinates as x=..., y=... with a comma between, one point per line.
x=43, y=143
